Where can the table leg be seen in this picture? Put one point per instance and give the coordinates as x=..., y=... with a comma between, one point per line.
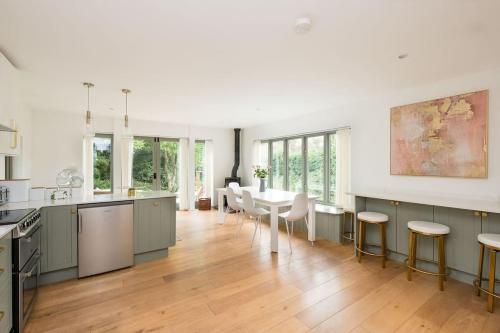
x=220, y=204
x=312, y=220
x=274, y=228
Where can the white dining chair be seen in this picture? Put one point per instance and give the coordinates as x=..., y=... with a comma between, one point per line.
x=253, y=212
x=235, y=204
x=234, y=185
x=298, y=211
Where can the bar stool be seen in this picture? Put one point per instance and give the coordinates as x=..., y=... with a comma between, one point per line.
x=492, y=242
x=379, y=219
x=429, y=229
x=348, y=235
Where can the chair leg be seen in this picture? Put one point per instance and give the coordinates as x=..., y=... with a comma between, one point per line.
x=254, y=232
x=307, y=227
x=491, y=289
x=241, y=222
x=383, y=243
x=292, y=228
x=288, y=232
x=409, y=260
x=480, y=269
x=260, y=226
x=441, y=262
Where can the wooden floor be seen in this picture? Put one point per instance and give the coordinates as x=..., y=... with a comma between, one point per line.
x=214, y=282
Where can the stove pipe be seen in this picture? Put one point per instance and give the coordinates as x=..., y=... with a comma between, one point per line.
x=234, y=172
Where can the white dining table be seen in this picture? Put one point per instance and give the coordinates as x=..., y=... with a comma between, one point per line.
x=274, y=199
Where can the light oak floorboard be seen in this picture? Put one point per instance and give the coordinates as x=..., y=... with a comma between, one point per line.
x=213, y=281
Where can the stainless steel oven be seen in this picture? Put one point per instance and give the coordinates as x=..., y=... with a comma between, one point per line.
x=26, y=284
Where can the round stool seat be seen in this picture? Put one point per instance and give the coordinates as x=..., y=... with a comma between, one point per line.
x=373, y=217
x=489, y=239
x=429, y=228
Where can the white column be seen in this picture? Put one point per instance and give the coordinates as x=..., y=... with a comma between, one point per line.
x=183, y=173
x=126, y=154
x=190, y=174
x=88, y=163
x=209, y=169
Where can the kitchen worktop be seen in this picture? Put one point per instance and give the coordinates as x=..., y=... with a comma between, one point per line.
x=469, y=203
x=87, y=200
x=5, y=229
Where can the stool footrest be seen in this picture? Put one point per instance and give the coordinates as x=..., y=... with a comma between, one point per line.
x=348, y=235
x=424, y=271
x=486, y=291
x=371, y=253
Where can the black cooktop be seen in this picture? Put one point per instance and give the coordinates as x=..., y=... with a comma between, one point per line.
x=14, y=216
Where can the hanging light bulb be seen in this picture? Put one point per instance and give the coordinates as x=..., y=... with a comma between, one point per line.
x=88, y=115
x=126, y=92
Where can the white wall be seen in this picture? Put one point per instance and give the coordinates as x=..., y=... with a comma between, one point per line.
x=370, y=123
x=12, y=107
x=58, y=137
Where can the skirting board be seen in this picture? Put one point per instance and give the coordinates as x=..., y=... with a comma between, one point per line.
x=72, y=273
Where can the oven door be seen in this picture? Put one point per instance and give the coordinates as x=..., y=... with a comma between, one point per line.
x=27, y=283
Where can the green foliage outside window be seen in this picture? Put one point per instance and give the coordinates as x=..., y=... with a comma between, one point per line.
x=102, y=151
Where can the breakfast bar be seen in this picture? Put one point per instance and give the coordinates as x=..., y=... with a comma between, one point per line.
x=466, y=218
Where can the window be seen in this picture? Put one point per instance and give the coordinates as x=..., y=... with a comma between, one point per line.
x=199, y=169
x=295, y=165
x=304, y=163
x=103, y=163
x=278, y=165
x=332, y=167
x=316, y=166
x=155, y=164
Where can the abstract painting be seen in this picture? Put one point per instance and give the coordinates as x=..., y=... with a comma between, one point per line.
x=445, y=137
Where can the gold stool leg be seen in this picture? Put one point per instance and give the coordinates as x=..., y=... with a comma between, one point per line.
x=361, y=243
x=493, y=261
x=409, y=261
x=441, y=262
x=480, y=269
x=383, y=243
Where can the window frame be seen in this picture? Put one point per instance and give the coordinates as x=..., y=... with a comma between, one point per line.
x=326, y=169
x=111, y=164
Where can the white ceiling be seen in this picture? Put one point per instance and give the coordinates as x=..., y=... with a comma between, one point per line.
x=232, y=63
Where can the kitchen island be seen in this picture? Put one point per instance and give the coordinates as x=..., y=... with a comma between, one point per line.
x=154, y=229
x=466, y=217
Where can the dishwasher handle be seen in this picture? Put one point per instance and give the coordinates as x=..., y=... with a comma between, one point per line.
x=80, y=223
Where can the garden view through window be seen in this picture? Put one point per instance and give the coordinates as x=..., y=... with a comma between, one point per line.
x=103, y=163
x=199, y=170
x=303, y=164
x=155, y=164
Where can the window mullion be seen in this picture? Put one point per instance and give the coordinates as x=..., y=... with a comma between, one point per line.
x=285, y=162
x=327, y=169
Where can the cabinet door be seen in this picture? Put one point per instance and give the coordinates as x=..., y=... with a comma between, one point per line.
x=154, y=224
x=59, y=238
x=372, y=231
x=414, y=212
x=462, y=249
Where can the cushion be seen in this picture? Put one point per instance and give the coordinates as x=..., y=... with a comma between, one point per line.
x=430, y=228
x=373, y=217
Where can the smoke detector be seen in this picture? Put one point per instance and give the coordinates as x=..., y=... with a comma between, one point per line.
x=303, y=25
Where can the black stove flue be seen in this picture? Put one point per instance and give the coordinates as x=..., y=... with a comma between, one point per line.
x=234, y=172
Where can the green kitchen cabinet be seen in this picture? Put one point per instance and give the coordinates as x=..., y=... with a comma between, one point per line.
x=5, y=283
x=59, y=238
x=154, y=224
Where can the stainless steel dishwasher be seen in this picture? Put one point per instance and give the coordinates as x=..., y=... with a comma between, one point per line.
x=105, y=237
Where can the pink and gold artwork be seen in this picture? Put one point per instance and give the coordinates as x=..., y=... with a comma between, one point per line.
x=444, y=137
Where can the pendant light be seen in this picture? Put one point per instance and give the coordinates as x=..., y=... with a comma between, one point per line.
x=88, y=115
x=126, y=92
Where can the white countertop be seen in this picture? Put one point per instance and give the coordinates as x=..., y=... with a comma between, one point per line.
x=470, y=203
x=5, y=229
x=87, y=200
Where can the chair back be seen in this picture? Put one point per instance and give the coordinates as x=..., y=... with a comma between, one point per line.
x=299, y=207
x=248, y=204
x=234, y=185
x=231, y=199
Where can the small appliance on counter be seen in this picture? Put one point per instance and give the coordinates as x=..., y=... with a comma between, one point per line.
x=4, y=195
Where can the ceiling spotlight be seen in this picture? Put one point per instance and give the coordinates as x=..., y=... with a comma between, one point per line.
x=403, y=56
x=303, y=25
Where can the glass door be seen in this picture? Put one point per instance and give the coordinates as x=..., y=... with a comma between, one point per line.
x=169, y=165
x=143, y=165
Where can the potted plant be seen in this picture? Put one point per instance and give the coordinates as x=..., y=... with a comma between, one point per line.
x=261, y=173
